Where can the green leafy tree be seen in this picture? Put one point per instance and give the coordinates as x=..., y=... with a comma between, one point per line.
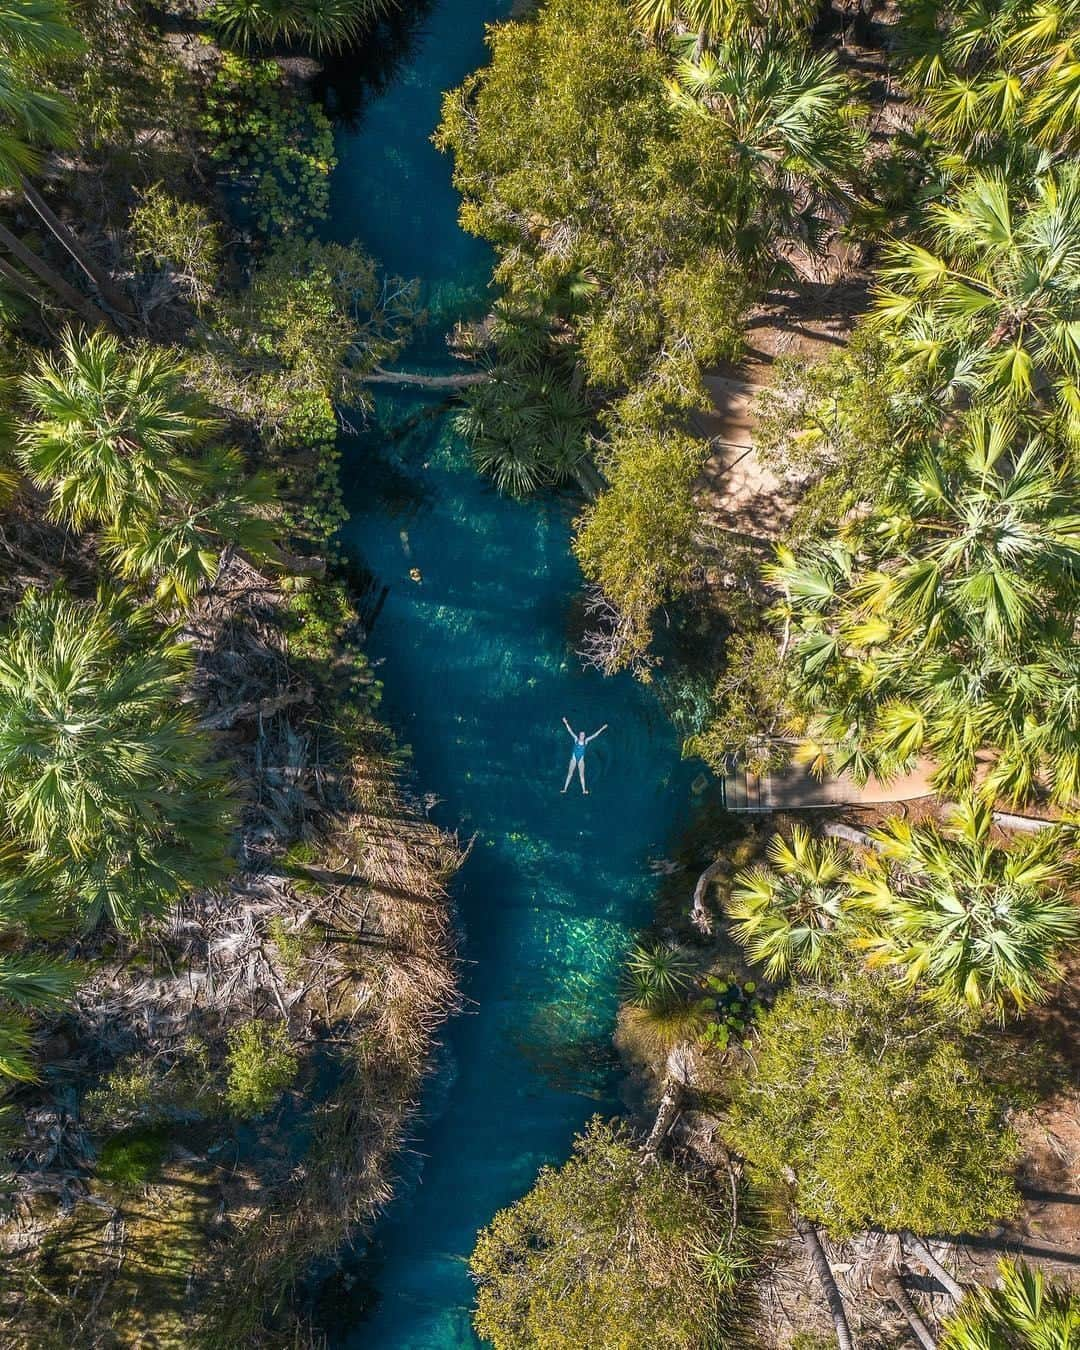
x=883, y=1120
x=976, y=925
x=788, y=914
x=607, y=1252
x=106, y=784
x=568, y=160
x=1024, y=1312
x=940, y=624
x=261, y=1065
x=637, y=541
x=989, y=309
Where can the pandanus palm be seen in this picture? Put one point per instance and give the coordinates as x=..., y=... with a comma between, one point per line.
x=787, y=914
x=105, y=781
x=990, y=310
x=788, y=129
x=974, y=924
x=1024, y=1312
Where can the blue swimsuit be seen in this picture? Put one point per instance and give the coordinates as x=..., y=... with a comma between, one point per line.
x=579, y=750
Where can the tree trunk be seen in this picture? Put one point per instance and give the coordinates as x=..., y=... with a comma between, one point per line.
x=902, y=1299
x=665, y=1116
x=822, y=1270
x=63, y=290
x=834, y=830
x=462, y=381
x=18, y=282
x=103, y=283
x=699, y=915
x=918, y=1248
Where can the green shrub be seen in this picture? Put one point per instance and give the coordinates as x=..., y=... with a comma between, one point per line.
x=133, y=1157
x=261, y=1064
x=180, y=235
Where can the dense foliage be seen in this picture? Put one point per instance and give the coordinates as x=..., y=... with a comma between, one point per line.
x=604, y=1251
x=880, y=1117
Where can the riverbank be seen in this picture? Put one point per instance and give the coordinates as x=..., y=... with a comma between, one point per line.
x=220, y=1105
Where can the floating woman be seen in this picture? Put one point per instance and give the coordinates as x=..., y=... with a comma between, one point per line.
x=577, y=756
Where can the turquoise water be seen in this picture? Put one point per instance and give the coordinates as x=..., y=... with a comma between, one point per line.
x=478, y=663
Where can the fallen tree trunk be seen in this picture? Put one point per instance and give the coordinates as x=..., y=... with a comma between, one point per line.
x=917, y=1247
x=670, y=1101
x=699, y=915
x=900, y=1296
x=263, y=707
x=810, y=1240
x=462, y=381
x=829, y=1287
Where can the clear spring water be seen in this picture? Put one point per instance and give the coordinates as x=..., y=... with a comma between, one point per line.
x=478, y=664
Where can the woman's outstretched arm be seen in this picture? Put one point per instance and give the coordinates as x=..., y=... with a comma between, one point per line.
x=569, y=728
x=595, y=734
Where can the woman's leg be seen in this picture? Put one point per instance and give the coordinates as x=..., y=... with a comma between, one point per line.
x=569, y=773
x=581, y=774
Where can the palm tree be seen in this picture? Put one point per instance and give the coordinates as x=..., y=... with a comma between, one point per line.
x=105, y=782
x=788, y=914
x=941, y=623
x=990, y=309
x=33, y=115
x=1025, y=1312
x=721, y=20
x=321, y=25
x=787, y=127
x=182, y=550
x=993, y=71
x=976, y=926
x=109, y=430
x=27, y=984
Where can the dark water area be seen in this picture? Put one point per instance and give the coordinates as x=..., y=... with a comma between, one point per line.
x=477, y=658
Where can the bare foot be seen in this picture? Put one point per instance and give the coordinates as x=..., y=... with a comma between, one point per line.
x=563, y=789
x=584, y=792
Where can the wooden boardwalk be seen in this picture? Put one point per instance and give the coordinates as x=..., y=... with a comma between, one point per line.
x=794, y=789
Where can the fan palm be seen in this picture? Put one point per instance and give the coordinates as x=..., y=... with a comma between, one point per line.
x=992, y=308
x=975, y=925
x=27, y=984
x=105, y=781
x=987, y=70
x=321, y=25
x=941, y=624
x=33, y=115
x=790, y=133
x=1025, y=1312
x=724, y=19
x=109, y=430
x=787, y=914
x=181, y=551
